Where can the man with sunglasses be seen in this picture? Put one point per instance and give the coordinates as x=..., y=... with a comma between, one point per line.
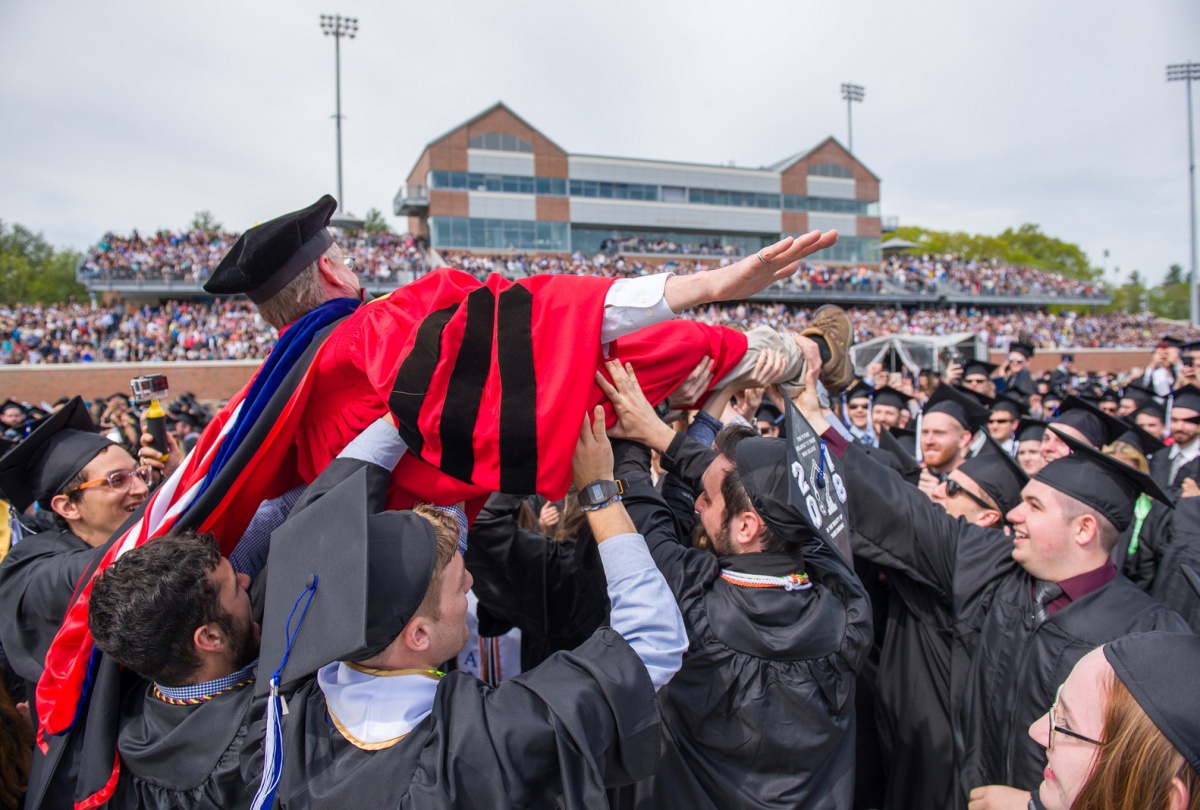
x=90, y=486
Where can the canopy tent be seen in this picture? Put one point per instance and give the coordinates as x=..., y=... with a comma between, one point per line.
x=913, y=352
x=896, y=243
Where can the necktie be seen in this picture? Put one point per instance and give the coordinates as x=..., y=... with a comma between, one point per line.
x=1044, y=593
x=1176, y=463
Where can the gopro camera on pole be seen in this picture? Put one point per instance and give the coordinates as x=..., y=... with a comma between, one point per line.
x=152, y=389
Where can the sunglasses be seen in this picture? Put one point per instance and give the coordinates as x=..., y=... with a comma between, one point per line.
x=1055, y=727
x=349, y=262
x=1001, y=421
x=976, y=380
x=853, y=407
x=954, y=489
x=120, y=481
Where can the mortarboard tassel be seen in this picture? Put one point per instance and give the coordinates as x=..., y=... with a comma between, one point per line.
x=920, y=459
x=16, y=530
x=276, y=708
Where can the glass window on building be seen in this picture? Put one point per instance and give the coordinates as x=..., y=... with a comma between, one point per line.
x=830, y=170
x=470, y=233
x=850, y=249
x=509, y=183
x=674, y=194
x=500, y=142
x=830, y=205
x=613, y=191
x=592, y=239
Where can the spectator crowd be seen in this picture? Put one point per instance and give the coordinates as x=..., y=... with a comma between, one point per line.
x=226, y=329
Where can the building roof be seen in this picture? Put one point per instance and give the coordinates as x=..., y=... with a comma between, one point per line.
x=788, y=162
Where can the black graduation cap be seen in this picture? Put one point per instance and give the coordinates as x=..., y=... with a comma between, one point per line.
x=1030, y=429
x=12, y=403
x=1010, y=402
x=368, y=574
x=1109, y=395
x=1153, y=409
x=1153, y=666
x=1067, y=357
x=902, y=444
x=1104, y=483
x=997, y=473
x=36, y=414
x=763, y=465
x=1170, y=340
x=59, y=447
x=1187, y=397
x=973, y=366
x=860, y=391
x=268, y=256
x=1096, y=426
x=1022, y=348
x=929, y=371
x=966, y=407
x=767, y=413
x=890, y=396
x=1140, y=394
x=1140, y=438
x=905, y=438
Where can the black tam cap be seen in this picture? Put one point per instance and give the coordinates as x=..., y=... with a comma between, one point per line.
x=997, y=473
x=1102, y=482
x=268, y=256
x=368, y=575
x=1154, y=668
x=890, y=396
x=1022, y=348
x=973, y=366
x=1096, y=426
x=966, y=407
x=1010, y=402
x=39, y=467
x=1140, y=394
x=763, y=466
x=1187, y=397
x=1030, y=429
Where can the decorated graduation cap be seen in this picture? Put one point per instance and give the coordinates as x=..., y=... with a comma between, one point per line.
x=1152, y=666
x=997, y=473
x=966, y=407
x=268, y=256
x=1102, y=482
x=1022, y=348
x=39, y=467
x=343, y=582
x=763, y=465
x=1094, y=424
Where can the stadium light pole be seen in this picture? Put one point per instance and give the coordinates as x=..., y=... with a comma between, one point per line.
x=337, y=26
x=1189, y=72
x=851, y=93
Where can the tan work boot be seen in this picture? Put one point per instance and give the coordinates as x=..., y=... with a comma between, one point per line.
x=833, y=324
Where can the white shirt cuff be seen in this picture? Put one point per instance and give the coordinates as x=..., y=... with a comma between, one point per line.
x=634, y=303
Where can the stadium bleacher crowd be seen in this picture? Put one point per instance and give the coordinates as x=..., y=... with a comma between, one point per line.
x=232, y=330
x=191, y=256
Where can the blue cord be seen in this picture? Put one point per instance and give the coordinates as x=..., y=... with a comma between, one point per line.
x=309, y=591
x=821, y=468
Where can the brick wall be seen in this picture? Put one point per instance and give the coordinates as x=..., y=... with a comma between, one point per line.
x=46, y=383
x=1086, y=359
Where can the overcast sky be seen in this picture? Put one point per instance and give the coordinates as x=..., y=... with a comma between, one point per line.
x=978, y=115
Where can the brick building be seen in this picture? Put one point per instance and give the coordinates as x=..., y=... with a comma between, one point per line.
x=496, y=183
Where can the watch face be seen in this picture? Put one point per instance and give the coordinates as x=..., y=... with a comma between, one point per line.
x=595, y=493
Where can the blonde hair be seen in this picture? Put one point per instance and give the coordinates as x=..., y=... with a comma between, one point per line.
x=1126, y=452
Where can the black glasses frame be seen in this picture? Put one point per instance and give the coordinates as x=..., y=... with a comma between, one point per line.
x=1054, y=727
x=954, y=488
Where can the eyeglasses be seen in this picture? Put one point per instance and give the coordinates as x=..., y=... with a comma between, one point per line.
x=953, y=488
x=975, y=381
x=349, y=262
x=1062, y=729
x=120, y=480
x=1001, y=421
x=860, y=407
x=1017, y=359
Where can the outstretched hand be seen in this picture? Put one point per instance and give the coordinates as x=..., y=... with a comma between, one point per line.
x=636, y=418
x=751, y=275
x=593, y=459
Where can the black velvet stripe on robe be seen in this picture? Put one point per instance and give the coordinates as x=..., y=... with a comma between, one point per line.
x=186, y=757
x=556, y=736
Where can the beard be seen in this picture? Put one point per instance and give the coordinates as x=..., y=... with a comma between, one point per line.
x=243, y=639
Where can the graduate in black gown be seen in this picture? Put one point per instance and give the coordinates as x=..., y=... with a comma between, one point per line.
x=382, y=596
x=175, y=612
x=1025, y=607
x=762, y=712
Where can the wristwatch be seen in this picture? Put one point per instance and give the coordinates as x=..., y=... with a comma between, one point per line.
x=600, y=491
x=663, y=408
